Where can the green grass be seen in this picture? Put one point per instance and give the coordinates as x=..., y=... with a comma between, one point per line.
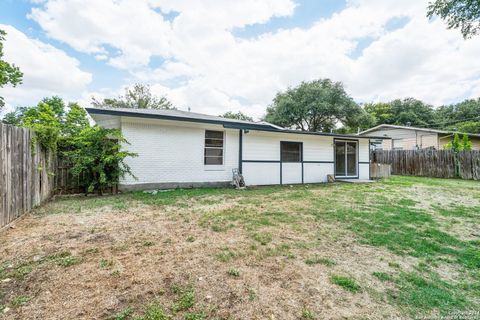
x=234, y=272
x=106, y=264
x=185, y=301
x=65, y=259
x=262, y=237
x=124, y=314
x=348, y=283
x=154, y=311
x=226, y=255
x=382, y=276
x=19, y=301
x=319, y=260
x=307, y=314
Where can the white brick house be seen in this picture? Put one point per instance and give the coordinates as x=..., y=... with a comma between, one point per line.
x=186, y=149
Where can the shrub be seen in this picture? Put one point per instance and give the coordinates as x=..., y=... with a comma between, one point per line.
x=97, y=152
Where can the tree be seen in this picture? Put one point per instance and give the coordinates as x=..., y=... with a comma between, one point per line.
x=237, y=116
x=401, y=112
x=382, y=112
x=458, y=145
x=463, y=14
x=138, y=97
x=46, y=125
x=75, y=121
x=467, y=126
x=9, y=73
x=314, y=106
x=464, y=116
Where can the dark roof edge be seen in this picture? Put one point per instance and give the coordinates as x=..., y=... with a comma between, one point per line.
x=225, y=124
x=167, y=117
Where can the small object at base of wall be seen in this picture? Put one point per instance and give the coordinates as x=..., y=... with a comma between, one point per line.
x=330, y=178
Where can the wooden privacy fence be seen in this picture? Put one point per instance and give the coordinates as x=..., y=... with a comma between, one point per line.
x=26, y=177
x=431, y=163
x=380, y=170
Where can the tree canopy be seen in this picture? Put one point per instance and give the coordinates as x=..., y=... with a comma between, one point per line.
x=96, y=153
x=458, y=14
x=317, y=105
x=237, y=116
x=401, y=112
x=137, y=97
x=9, y=73
x=464, y=116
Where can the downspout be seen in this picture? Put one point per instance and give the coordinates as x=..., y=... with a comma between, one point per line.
x=240, y=150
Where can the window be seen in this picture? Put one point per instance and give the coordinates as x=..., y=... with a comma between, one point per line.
x=213, y=154
x=377, y=145
x=291, y=151
x=397, y=144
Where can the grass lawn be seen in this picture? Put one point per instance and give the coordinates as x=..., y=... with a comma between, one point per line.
x=400, y=248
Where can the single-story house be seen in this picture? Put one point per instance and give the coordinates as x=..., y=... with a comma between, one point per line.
x=412, y=138
x=185, y=149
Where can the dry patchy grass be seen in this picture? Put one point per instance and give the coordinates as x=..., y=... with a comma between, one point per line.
x=386, y=250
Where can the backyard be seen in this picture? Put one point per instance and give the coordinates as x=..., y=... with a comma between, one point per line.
x=398, y=248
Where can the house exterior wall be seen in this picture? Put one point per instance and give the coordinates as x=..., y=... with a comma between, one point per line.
x=171, y=154
x=261, y=154
x=363, y=159
x=475, y=143
x=406, y=139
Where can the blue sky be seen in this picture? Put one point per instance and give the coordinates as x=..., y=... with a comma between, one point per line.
x=214, y=56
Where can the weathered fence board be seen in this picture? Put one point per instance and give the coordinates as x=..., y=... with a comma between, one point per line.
x=26, y=175
x=431, y=163
x=380, y=170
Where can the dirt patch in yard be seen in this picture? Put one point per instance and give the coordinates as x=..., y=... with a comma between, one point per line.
x=131, y=257
x=265, y=254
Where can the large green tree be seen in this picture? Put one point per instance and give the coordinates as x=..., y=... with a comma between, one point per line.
x=464, y=116
x=319, y=105
x=237, y=116
x=401, y=112
x=9, y=73
x=137, y=97
x=458, y=14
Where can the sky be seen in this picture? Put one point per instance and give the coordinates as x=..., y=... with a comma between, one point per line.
x=214, y=56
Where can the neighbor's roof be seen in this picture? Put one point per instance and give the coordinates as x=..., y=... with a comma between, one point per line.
x=178, y=115
x=392, y=126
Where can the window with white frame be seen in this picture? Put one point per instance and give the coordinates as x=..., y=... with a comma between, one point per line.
x=214, y=143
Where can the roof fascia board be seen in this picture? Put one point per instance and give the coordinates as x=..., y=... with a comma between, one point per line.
x=226, y=124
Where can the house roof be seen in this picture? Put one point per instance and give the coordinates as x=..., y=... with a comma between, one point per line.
x=392, y=126
x=178, y=115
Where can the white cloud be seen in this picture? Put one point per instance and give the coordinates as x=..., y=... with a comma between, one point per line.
x=210, y=70
x=46, y=70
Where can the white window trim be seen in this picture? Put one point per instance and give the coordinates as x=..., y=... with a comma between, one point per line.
x=215, y=167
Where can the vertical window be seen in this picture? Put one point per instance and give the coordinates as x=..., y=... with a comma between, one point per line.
x=213, y=154
x=291, y=151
